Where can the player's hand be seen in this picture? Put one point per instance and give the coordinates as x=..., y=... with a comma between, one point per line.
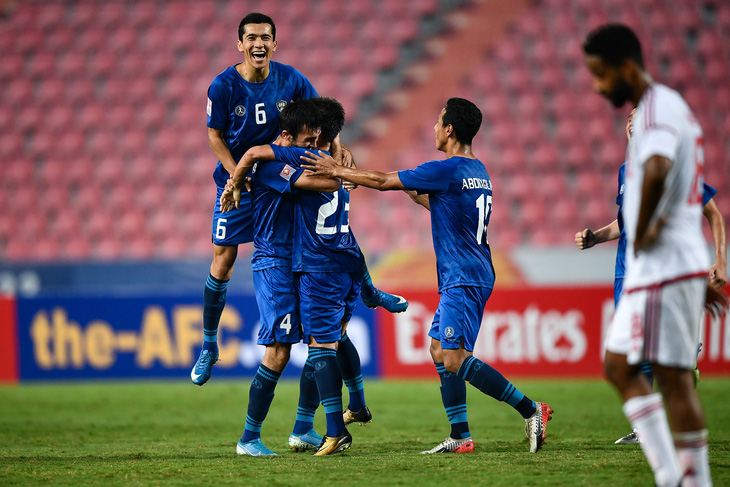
x=348, y=186
x=716, y=302
x=230, y=199
x=347, y=159
x=320, y=163
x=650, y=236
x=718, y=276
x=585, y=239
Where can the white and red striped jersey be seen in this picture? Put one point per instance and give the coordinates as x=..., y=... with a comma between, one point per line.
x=665, y=126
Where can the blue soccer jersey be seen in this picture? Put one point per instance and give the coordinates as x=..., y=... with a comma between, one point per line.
x=248, y=113
x=323, y=241
x=273, y=209
x=621, y=249
x=460, y=196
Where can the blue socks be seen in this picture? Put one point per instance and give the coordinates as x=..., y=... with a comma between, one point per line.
x=349, y=362
x=491, y=382
x=453, y=395
x=329, y=384
x=648, y=372
x=260, y=396
x=308, y=400
x=367, y=288
x=214, y=300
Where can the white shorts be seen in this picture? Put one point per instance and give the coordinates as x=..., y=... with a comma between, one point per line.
x=659, y=324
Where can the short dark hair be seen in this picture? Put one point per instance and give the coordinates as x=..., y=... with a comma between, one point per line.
x=614, y=43
x=333, y=117
x=255, y=18
x=465, y=117
x=299, y=114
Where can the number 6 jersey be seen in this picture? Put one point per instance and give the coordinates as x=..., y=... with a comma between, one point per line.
x=460, y=196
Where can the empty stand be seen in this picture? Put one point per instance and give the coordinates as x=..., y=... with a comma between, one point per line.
x=102, y=127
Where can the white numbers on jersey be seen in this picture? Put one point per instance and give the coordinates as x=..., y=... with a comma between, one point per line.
x=484, y=214
x=260, y=114
x=286, y=323
x=328, y=209
x=220, y=229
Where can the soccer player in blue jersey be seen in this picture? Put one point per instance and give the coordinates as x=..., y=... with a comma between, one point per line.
x=459, y=196
x=615, y=230
x=244, y=103
x=273, y=204
x=333, y=119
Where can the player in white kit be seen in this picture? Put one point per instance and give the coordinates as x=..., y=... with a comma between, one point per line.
x=665, y=286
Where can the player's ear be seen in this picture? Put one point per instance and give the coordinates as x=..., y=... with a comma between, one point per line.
x=273, y=46
x=239, y=45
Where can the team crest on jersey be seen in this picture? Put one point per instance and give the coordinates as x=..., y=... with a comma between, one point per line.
x=280, y=105
x=286, y=172
x=240, y=110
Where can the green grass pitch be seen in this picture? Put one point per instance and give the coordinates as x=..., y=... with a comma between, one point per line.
x=173, y=433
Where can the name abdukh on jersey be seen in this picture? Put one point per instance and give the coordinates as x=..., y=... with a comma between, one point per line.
x=476, y=183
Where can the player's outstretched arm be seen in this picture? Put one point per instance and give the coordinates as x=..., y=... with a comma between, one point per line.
x=231, y=196
x=254, y=154
x=324, y=165
x=718, y=271
x=587, y=238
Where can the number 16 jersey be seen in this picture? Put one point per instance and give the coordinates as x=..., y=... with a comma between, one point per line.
x=460, y=196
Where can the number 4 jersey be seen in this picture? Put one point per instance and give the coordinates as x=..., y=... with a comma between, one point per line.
x=460, y=196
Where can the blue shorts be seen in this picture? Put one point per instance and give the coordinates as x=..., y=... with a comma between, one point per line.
x=236, y=226
x=326, y=299
x=278, y=306
x=459, y=316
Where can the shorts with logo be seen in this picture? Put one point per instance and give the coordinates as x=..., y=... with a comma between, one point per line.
x=326, y=299
x=659, y=324
x=235, y=226
x=278, y=304
x=459, y=316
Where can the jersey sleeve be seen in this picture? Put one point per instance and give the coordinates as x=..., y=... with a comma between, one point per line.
x=429, y=177
x=708, y=193
x=219, y=94
x=278, y=175
x=302, y=87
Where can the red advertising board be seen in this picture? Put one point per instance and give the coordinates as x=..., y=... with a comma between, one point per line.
x=529, y=332
x=9, y=340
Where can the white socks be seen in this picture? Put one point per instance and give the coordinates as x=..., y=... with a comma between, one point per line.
x=646, y=415
x=693, y=457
